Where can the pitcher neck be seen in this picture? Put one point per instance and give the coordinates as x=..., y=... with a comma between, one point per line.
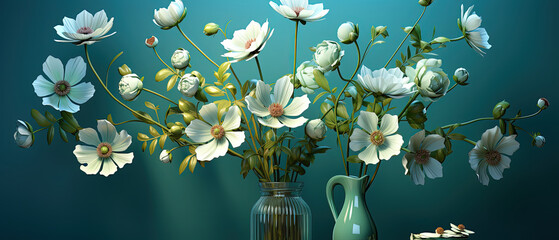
x=281, y=189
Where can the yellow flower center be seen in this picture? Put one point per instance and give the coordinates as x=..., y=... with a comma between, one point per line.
x=422, y=156
x=276, y=110
x=493, y=158
x=85, y=30
x=218, y=132
x=104, y=150
x=249, y=43
x=62, y=88
x=377, y=138
x=439, y=230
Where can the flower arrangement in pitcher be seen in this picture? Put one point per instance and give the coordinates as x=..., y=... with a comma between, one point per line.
x=262, y=122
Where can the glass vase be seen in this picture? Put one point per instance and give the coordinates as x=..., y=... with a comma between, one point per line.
x=280, y=213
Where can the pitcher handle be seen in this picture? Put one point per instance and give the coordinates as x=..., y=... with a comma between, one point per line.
x=332, y=183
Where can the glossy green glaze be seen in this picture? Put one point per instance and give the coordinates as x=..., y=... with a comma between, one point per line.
x=354, y=222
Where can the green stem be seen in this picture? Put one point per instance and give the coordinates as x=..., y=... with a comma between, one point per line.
x=233, y=153
x=259, y=68
x=36, y=131
x=491, y=118
x=295, y=55
x=401, y=115
x=403, y=41
x=373, y=177
x=159, y=95
x=157, y=54
x=470, y=141
x=129, y=121
x=197, y=48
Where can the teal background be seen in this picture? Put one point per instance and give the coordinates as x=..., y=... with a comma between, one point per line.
x=46, y=196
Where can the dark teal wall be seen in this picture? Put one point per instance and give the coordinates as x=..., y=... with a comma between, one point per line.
x=46, y=196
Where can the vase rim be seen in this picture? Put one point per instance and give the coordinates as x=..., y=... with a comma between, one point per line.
x=286, y=186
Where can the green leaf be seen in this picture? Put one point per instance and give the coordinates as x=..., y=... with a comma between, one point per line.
x=67, y=127
x=184, y=163
x=50, y=117
x=153, y=131
x=223, y=68
x=144, y=117
x=354, y=159
x=142, y=137
x=39, y=118
x=50, y=134
x=172, y=82
x=342, y=111
x=231, y=88
x=113, y=61
x=151, y=106
x=70, y=119
x=63, y=135
x=152, y=146
x=144, y=146
x=186, y=106
x=457, y=136
x=162, y=140
x=192, y=165
x=214, y=91
x=200, y=96
x=319, y=96
x=163, y=74
x=321, y=80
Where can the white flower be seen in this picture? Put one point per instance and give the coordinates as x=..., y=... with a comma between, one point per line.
x=430, y=79
x=381, y=144
x=476, y=37
x=490, y=153
x=107, y=152
x=348, y=33
x=63, y=92
x=543, y=103
x=130, y=86
x=180, y=58
x=152, y=42
x=167, y=18
x=418, y=162
x=247, y=43
x=215, y=134
x=461, y=76
x=272, y=110
x=188, y=85
x=440, y=233
x=305, y=75
x=24, y=134
x=85, y=29
x=316, y=129
x=165, y=156
x=300, y=10
x=388, y=83
x=539, y=141
x=328, y=55
x=461, y=229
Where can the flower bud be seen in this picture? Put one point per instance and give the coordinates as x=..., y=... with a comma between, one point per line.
x=24, y=136
x=316, y=129
x=130, y=87
x=461, y=76
x=177, y=131
x=188, y=85
x=305, y=77
x=124, y=70
x=539, y=141
x=543, y=103
x=348, y=33
x=425, y=3
x=180, y=59
x=328, y=55
x=381, y=30
x=352, y=91
x=152, y=42
x=211, y=29
x=165, y=156
x=500, y=109
x=408, y=29
x=188, y=118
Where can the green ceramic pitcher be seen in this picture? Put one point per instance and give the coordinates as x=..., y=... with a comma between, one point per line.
x=354, y=221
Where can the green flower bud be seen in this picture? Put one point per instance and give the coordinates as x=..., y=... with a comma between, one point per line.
x=461, y=76
x=124, y=70
x=416, y=115
x=348, y=33
x=165, y=156
x=177, y=131
x=211, y=29
x=188, y=118
x=425, y=3
x=500, y=109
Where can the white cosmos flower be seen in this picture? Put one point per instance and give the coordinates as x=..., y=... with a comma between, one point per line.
x=389, y=83
x=490, y=153
x=461, y=229
x=63, y=92
x=167, y=18
x=418, y=162
x=381, y=144
x=300, y=10
x=470, y=24
x=214, y=133
x=247, y=43
x=273, y=110
x=85, y=29
x=107, y=151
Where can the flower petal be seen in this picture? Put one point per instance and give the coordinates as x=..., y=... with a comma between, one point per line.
x=297, y=106
x=209, y=113
x=481, y=172
x=283, y=91
x=122, y=159
x=292, y=123
x=368, y=121
x=85, y=154
x=370, y=155
x=75, y=70
x=270, y=122
x=359, y=139
x=54, y=69
x=81, y=93
x=508, y=145
x=64, y=104
x=491, y=137
x=43, y=87
x=199, y=131
x=495, y=172
x=391, y=147
x=89, y=136
x=389, y=124
x=416, y=140
x=433, y=168
x=109, y=167
x=433, y=143
x=417, y=174
x=232, y=119
x=92, y=167
x=235, y=138
x=214, y=149
x=262, y=93
x=256, y=107
x=121, y=142
x=84, y=19
x=107, y=131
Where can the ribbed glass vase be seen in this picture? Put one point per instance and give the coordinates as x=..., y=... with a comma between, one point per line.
x=280, y=213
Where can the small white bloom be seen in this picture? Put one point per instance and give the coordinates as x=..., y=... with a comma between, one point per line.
x=380, y=144
x=444, y=234
x=106, y=152
x=418, y=162
x=300, y=10
x=188, y=85
x=539, y=141
x=305, y=75
x=352, y=90
x=328, y=55
x=214, y=133
x=491, y=153
x=461, y=229
x=247, y=43
x=348, y=33
x=165, y=156
x=316, y=129
x=543, y=103
x=388, y=83
x=470, y=24
x=273, y=110
x=24, y=135
x=130, y=87
x=430, y=79
x=85, y=29
x=180, y=58
x=167, y=18
x=152, y=42
x=63, y=92
x=461, y=76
